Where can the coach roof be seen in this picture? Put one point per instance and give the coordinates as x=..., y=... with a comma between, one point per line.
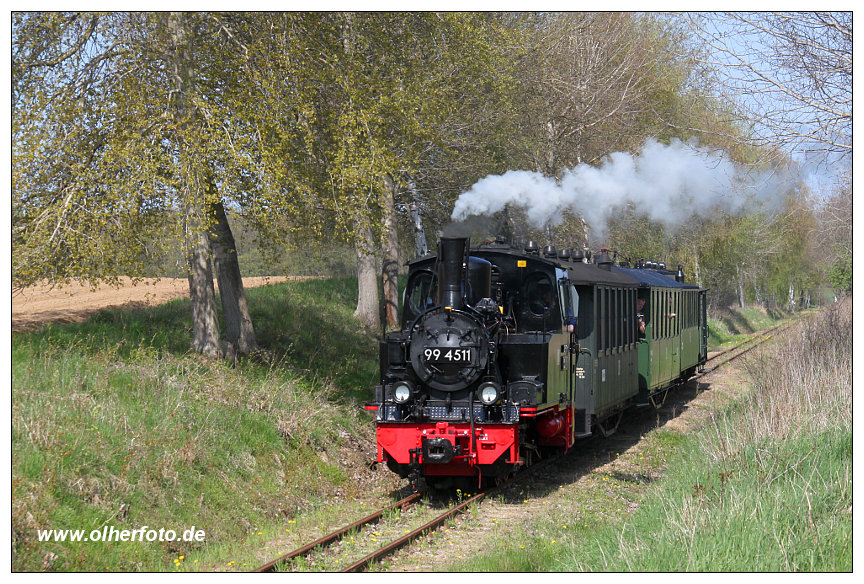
x=580, y=273
x=648, y=277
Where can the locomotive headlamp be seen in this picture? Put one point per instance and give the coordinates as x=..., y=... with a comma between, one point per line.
x=401, y=392
x=488, y=392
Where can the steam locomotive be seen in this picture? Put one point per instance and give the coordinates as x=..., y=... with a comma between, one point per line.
x=507, y=352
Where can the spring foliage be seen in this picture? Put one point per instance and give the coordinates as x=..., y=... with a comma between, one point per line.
x=327, y=126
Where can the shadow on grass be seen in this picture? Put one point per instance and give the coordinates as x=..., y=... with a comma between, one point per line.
x=737, y=323
x=590, y=454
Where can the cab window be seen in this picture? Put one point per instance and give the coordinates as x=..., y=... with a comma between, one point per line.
x=421, y=293
x=539, y=294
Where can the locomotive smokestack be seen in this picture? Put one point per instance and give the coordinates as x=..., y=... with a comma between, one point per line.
x=452, y=258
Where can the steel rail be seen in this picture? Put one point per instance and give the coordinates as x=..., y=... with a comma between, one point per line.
x=766, y=335
x=333, y=536
x=754, y=340
x=407, y=538
x=748, y=340
x=756, y=335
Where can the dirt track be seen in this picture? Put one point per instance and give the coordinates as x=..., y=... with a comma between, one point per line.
x=37, y=305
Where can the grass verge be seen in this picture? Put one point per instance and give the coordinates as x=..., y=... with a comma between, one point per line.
x=115, y=423
x=732, y=326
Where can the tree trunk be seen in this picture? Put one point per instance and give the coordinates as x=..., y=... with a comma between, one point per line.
x=758, y=294
x=740, y=288
x=367, y=279
x=420, y=246
x=390, y=262
x=551, y=158
x=696, y=272
x=239, y=331
x=202, y=296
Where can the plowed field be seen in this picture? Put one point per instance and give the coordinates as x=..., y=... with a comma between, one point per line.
x=74, y=302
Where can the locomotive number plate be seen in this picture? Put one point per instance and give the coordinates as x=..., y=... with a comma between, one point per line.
x=448, y=355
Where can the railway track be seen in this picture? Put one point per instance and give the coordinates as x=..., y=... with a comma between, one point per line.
x=362, y=563
x=409, y=536
x=740, y=349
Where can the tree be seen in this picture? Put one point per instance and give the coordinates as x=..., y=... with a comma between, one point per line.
x=122, y=109
x=594, y=83
x=833, y=236
x=790, y=73
x=392, y=103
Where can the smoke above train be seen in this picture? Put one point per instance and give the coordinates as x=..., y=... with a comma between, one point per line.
x=670, y=183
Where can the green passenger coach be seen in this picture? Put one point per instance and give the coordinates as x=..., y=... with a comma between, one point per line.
x=673, y=344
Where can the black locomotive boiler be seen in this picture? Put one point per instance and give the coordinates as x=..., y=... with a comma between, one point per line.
x=504, y=352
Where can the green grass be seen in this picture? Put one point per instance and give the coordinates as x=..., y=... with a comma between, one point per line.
x=781, y=506
x=115, y=423
x=732, y=326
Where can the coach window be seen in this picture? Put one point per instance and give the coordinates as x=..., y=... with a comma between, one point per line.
x=613, y=328
x=601, y=319
x=610, y=318
x=662, y=311
x=617, y=318
x=685, y=296
x=619, y=322
x=687, y=308
x=655, y=302
x=693, y=303
x=607, y=321
x=674, y=313
x=667, y=301
x=629, y=316
x=670, y=307
x=630, y=313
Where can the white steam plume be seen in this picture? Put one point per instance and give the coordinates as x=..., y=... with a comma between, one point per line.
x=668, y=183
